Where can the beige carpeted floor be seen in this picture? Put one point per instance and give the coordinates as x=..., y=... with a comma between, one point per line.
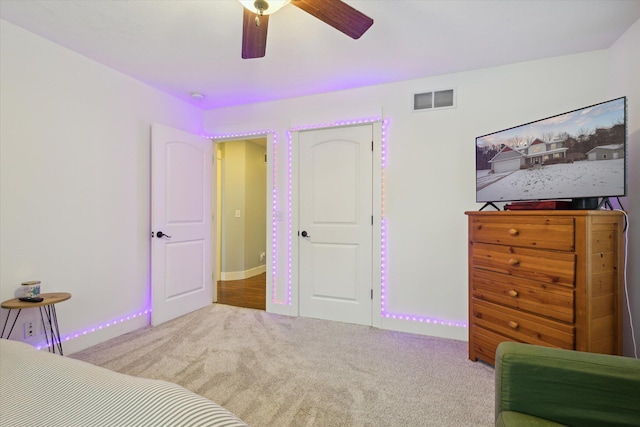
x=274, y=370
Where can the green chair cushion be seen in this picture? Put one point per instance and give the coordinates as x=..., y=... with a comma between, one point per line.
x=567, y=387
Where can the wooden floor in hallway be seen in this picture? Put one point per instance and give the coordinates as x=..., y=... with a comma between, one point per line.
x=248, y=293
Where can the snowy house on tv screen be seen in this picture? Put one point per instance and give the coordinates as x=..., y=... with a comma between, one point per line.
x=535, y=153
x=606, y=152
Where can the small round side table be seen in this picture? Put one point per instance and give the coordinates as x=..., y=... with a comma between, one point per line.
x=47, y=311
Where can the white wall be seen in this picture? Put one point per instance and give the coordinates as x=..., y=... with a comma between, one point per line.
x=430, y=178
x=74, y=182
x=624, y=72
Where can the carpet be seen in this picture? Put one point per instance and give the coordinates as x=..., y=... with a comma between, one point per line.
x=273, y=370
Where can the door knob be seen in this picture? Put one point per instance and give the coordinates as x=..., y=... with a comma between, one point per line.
x=305, y=234
x=160, y=235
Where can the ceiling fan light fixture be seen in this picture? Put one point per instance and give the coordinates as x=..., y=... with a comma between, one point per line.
x=264, y=7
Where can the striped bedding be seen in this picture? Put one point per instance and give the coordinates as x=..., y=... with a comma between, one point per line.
x=38, y=388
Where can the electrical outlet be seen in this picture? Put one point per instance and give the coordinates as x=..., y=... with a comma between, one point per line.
x=29, y=329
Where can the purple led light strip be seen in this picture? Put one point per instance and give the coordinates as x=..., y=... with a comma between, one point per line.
x=93, y=329
x=383, y=257
x=289, y=219
x=338, y=123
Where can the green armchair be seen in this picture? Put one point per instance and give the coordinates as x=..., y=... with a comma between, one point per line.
x=542, y=386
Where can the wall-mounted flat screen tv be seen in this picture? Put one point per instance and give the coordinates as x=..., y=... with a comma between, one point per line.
x=578, y=155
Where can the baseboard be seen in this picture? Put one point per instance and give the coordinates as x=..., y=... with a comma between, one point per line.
x=80, y=340
x=240, y=275
x=434, y=329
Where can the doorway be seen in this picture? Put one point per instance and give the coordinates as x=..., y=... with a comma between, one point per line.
x=241, y=221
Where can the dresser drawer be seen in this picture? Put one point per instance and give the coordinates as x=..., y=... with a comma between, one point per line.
x=538, y=298
x=484, y=343
x=539, y=265
x=532, y=232
x=520, y=326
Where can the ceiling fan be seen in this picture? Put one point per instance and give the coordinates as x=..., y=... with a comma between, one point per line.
x=336, y=13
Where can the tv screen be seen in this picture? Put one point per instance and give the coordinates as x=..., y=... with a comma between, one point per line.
x=575, y=155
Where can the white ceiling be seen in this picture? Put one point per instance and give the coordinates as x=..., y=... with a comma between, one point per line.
x=184, y=46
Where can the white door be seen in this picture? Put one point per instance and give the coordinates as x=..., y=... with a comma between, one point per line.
x=181, y=277
x=335, y=223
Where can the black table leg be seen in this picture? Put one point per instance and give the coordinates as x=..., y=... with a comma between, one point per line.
x=45, y=331
x=12, y=325
x=52, y=319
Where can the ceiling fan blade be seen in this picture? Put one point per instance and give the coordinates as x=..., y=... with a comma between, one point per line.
x=254, y=37
x=338, y=14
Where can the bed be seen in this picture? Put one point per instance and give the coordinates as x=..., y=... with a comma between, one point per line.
x=38, y=388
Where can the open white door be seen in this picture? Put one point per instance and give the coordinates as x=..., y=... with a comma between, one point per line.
x=181, y=276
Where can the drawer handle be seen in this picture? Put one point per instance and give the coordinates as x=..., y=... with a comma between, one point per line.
x=513, y=325
x=513, y=293
x=513, y=261
x=513, y=232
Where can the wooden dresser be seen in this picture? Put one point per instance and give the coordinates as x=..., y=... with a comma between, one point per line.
x=551, y=278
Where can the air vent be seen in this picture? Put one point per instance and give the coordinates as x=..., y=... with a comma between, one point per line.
x=434, y=100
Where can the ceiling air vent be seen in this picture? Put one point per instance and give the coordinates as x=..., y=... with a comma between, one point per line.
x=434, y=100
